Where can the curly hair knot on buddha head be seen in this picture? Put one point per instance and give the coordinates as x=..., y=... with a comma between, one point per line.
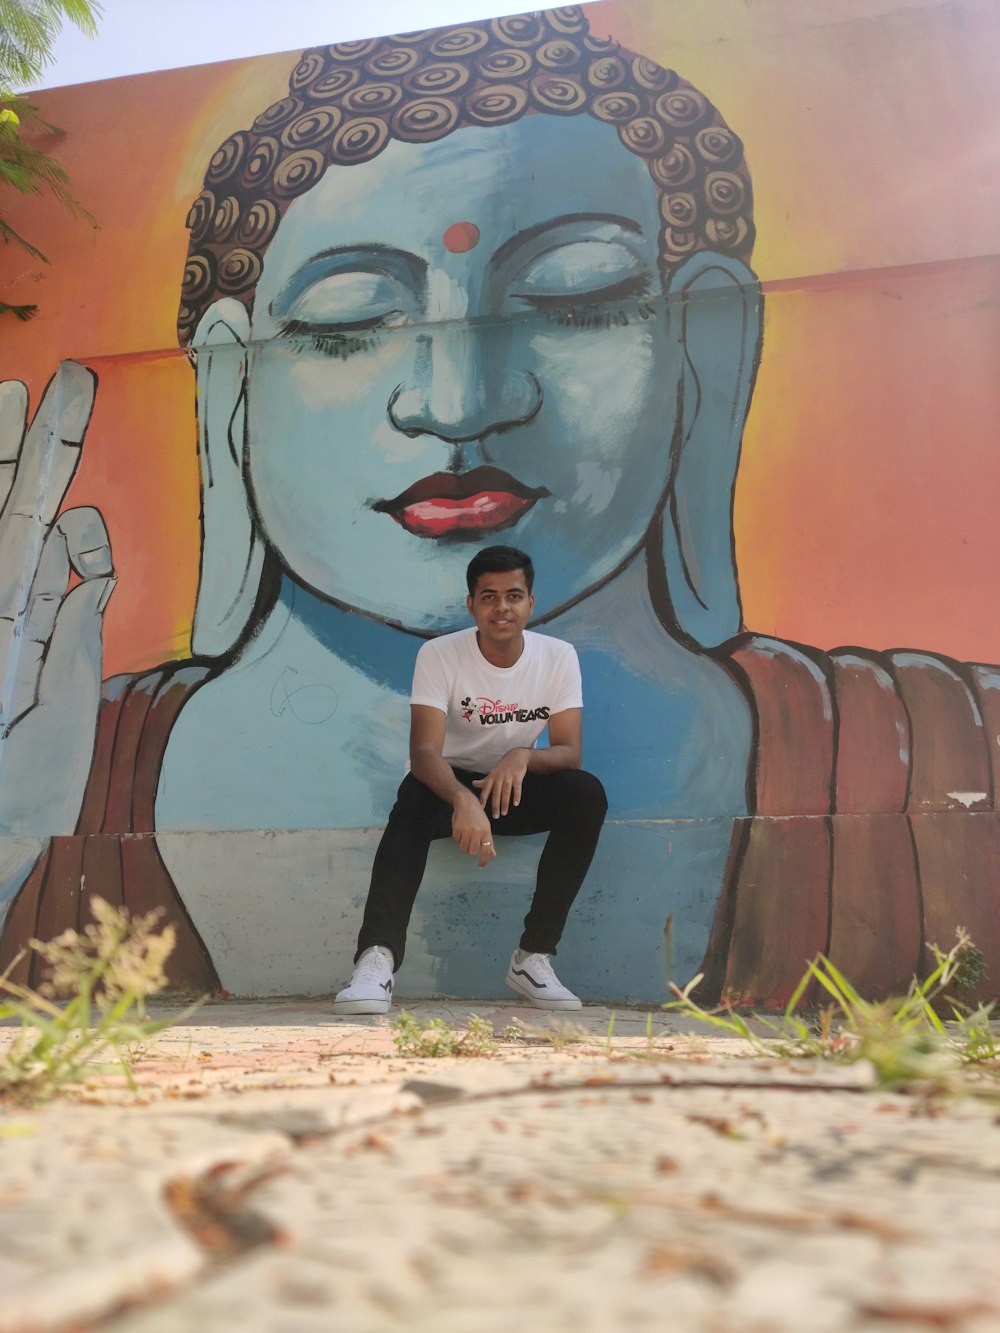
x=345, y=102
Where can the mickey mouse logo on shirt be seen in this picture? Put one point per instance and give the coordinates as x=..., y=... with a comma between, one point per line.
x=496, y=711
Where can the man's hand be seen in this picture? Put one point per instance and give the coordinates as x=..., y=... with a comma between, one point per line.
x=470, y=828
x=501, y=787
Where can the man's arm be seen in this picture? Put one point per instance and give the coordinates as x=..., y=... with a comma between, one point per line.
x=565, y=747
x=502, y=785
x=470, y=828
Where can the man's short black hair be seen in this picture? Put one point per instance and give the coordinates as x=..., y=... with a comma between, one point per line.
x=499, y=560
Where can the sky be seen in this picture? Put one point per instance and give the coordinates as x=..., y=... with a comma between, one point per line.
x=137, y=36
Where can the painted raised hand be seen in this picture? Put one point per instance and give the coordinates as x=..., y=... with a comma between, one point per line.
x=50, y=635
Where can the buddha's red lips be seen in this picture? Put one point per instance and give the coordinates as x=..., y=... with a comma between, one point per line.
x=460, y=486
x=483, y=500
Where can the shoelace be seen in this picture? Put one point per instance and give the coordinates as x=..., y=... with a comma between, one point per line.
x=375, y=967
x=540, y=964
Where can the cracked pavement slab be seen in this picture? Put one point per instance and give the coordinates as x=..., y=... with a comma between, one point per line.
x=282, y=1169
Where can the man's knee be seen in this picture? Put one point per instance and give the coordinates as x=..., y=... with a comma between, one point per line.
x=415, y=802
x=584, y=792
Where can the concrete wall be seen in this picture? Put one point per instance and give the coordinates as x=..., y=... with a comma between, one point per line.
x=696, y=304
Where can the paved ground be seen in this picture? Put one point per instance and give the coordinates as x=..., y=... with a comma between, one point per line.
x=285, y=1170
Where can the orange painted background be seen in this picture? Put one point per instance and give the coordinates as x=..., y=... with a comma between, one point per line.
x=870, y=472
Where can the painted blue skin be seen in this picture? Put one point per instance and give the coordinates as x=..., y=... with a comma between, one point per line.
x=378, y=357
x=577, y=410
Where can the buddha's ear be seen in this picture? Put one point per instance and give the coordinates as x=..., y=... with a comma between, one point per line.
x=715, y=306
x=232, y=552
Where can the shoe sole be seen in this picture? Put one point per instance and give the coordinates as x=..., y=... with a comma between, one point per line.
x=361, y=1006
x=538, y=1003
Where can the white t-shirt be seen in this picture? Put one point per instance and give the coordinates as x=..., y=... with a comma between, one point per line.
x=491, y=710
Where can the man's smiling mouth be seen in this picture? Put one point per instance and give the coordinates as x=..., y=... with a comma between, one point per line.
x=468, y=505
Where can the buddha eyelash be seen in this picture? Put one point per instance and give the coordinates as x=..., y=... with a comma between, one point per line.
x=594, y=314
x=334, y=342
x=342, y=345
x=596, y=317
x=601, y=312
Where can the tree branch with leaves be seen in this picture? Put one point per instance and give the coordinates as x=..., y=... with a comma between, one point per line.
x=28, y=30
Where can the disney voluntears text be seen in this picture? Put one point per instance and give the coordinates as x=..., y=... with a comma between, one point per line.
x=485, y=716
x=492, y=710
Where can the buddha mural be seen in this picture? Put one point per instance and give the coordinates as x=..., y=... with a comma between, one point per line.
x=492, y=279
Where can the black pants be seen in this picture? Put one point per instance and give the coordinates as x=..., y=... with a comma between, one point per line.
x=569, y=805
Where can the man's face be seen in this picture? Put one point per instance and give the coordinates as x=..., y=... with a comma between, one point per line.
x=457, y=339
x=501, y=607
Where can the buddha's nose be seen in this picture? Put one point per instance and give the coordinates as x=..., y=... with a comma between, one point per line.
x=463, y=387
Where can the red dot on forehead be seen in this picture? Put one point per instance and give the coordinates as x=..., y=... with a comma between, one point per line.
x=461, y=236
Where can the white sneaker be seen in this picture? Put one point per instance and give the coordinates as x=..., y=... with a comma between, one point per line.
x=370, y=991
x=531, y=975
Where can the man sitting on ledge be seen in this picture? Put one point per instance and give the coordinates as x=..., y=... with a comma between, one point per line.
x=480, y=700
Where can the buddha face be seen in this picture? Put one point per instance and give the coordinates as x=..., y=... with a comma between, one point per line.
x=455, y=345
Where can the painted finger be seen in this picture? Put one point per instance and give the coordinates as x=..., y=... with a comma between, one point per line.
x=21, y=681
x=13, y=419
x=73, y=660
x=77, y=540
x=21, y=540
x=49, y=458
x=87, y=542
x=49, y=587
x=53, y=442
x=47, y=755
x=24, y=629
